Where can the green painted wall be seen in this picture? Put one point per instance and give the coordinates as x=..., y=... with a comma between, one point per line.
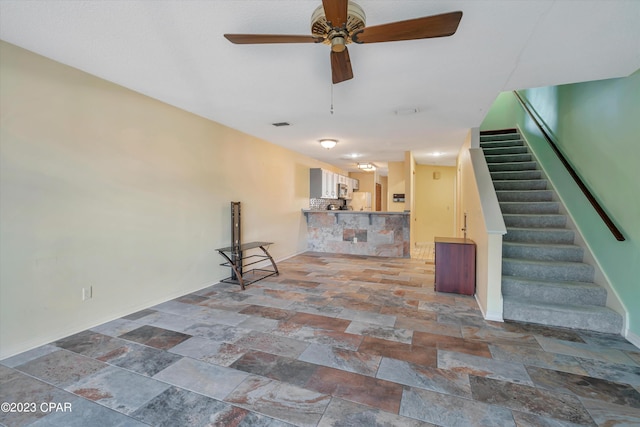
x=503, y=113
x=597, y=126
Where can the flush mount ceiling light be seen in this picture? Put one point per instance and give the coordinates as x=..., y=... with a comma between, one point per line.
x=366, y=166
x=328, y=143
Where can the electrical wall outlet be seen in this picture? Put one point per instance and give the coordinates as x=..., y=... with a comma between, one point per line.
x=87, y=293
x=355, y=240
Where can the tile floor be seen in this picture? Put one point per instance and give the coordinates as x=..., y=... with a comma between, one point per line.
x=424, y=250
x=333, y=341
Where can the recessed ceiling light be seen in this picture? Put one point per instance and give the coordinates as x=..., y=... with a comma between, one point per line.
x=436, y=154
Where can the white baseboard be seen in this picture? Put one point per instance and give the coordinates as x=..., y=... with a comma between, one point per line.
x=632, y=338
x=495, y=317
x=490, y=315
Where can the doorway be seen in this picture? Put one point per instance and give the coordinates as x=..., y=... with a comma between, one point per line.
x=435, y=189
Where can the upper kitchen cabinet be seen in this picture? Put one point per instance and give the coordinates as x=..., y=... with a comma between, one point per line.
x=355, y=184
x=323, y=184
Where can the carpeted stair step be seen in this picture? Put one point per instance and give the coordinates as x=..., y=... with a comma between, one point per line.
x=548, y=270
x=510, y=149
x=544, y=280
x=512, y=166
x=520, y=184
x=529, y=208
x=525, y=195
x=543, y=252
x=539, y=235
x=502, y=137
x=535, y=221
x=494, y=145
x=507, y=158
x=516, y=175
x=594, y=318
x=554, y=292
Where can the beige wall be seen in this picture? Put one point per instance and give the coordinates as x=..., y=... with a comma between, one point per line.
x=396, y=184
x=434, y=202
x=409, y=185
x=103, y=187
x=367, y=181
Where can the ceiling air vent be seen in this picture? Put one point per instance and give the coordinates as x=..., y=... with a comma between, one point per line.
x=279, y=124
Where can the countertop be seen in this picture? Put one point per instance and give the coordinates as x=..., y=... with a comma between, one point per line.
x=351, y=212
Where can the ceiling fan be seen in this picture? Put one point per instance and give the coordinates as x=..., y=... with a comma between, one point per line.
x=340, y=22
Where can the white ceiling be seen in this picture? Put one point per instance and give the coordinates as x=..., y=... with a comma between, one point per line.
x=174, y=51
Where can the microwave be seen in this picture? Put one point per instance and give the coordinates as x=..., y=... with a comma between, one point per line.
x=343, y=191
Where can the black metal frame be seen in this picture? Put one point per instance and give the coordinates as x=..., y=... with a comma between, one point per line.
x=235, y=257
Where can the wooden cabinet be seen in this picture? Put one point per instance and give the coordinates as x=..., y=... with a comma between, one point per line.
x=455, y=265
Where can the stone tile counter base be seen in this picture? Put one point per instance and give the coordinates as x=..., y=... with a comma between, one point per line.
x=359, y=233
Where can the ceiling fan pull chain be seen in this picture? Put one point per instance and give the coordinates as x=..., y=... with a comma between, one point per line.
x=331, y=110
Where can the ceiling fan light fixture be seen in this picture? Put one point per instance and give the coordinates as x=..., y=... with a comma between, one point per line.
x=328, y=143
x=340, y=22
x=368, y=167
x=322, y=29
x=338, y=44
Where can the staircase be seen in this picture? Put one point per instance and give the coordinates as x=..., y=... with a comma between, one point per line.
x=544, y=278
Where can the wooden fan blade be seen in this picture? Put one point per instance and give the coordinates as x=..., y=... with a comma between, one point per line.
x=341, y=66
x=270, y=38
x=420, y=28
x=335, y=11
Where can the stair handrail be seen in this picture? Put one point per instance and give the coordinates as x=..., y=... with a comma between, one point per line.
x=585, y=190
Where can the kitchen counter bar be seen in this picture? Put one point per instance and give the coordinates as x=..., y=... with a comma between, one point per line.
x=358, y=232
x=350, y=212
x=345, y=211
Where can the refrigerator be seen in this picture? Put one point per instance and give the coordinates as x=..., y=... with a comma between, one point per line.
x=361, y=201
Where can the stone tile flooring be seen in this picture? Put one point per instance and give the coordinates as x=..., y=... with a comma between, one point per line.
x=333, y=341
x=424, y=251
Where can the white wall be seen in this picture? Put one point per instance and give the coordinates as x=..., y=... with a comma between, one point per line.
x=103, y=187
